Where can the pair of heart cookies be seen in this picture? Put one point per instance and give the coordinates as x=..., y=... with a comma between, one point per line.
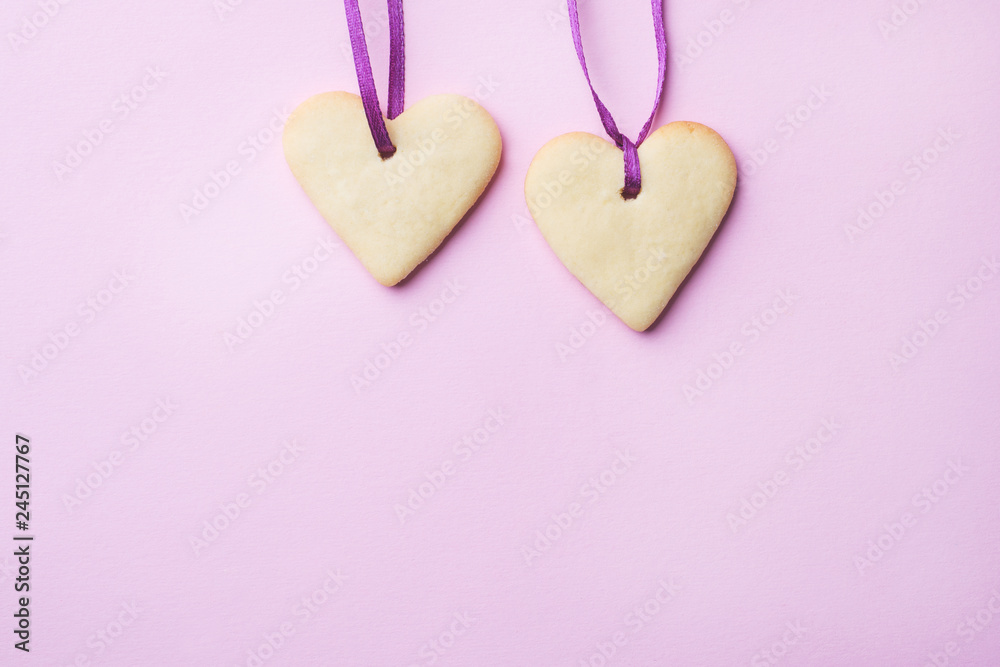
x=632, y=254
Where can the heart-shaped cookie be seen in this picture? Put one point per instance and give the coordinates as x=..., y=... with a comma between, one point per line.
x=632, y=254
x=392, y=213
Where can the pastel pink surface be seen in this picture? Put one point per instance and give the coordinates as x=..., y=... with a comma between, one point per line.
x=722, y=535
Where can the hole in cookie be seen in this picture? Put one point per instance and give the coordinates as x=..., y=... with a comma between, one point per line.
x=387, y=154
x=628, y=195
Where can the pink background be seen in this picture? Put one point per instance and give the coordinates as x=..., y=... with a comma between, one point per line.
x=838, y=558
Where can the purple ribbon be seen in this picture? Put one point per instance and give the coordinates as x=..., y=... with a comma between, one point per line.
x=633, y=173
x=366, y=81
